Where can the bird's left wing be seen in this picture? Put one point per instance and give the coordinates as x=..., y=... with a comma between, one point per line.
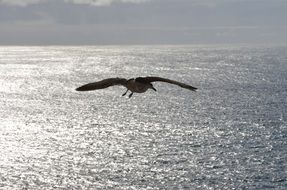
x=102, y=84
x=159, y=79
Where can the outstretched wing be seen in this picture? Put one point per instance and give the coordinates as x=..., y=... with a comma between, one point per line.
x=102, y=84
x=159, y=79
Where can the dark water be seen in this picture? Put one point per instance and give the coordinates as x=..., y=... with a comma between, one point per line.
x=231, y=134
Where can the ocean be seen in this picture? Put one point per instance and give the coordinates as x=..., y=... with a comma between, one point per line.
x=230, y=134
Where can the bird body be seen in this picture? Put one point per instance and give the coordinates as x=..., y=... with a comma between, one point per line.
x=138, y=85
x=135, y=86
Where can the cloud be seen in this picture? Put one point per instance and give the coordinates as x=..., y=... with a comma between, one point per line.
x=87, y=2
x=19, y=2
x=103, y=2
x=209, y=3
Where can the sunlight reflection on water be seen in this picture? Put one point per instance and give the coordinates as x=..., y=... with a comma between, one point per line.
x=230, y=134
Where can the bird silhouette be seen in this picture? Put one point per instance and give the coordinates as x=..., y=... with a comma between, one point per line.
x=135, y=85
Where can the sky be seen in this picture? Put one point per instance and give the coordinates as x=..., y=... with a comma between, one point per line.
x=142, y=22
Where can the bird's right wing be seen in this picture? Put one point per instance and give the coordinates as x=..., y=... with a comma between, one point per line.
x=102, y=84
x=160, y=79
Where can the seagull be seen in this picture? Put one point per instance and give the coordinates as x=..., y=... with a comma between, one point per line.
x=135, y=85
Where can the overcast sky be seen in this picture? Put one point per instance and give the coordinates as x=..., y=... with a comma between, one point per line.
x=116, y=22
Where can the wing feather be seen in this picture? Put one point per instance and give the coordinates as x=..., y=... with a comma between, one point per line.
x=159, y=79
x=102, y=84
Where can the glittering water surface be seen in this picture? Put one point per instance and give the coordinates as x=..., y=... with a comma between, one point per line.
x=231, y=134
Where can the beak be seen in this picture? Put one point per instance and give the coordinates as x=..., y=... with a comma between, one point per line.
x=153, y=88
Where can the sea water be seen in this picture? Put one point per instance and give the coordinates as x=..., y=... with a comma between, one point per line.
x=230, y=134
